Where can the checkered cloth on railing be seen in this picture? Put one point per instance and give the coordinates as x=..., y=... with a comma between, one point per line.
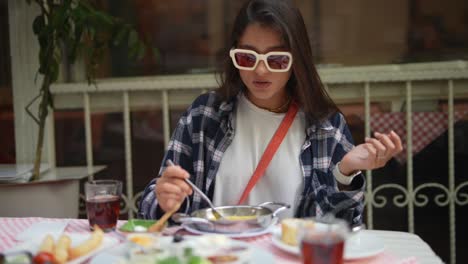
x=427, y=126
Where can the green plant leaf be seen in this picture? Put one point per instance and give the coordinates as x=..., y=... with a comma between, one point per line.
x=50, y=99
x=58, y=17
x=42, y=62
x=103, y=18
x=156, y=54
x=121, y=34
x=38, y=24
x=141, y=50
x=132, y=38
x=133, y=51
x=53, y=70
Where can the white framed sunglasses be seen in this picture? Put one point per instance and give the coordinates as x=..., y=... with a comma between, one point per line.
x=275, y=61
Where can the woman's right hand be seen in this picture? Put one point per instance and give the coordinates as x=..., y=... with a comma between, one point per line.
x=171, y=188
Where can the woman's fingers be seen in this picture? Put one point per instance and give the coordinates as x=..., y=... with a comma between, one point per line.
x=168, y=204
x=374, y=159
x=381, y=148
x=176, y=175
x=371, y=149
x=386, y=141
x=176, y=172
x=171, y=188
x=173, y=196
x=391, y=141
x=397, y=141
x=168, y=194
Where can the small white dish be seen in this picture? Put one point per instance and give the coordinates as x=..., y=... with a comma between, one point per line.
x=38, y=231
x=360, y=245
x=119, y=253
x=363, y=245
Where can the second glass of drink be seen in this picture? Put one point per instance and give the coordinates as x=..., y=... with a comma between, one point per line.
x=324, y=243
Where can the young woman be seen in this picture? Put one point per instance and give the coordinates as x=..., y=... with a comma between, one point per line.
x=222, y=136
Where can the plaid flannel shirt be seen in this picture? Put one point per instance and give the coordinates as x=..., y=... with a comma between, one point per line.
x=205, y=131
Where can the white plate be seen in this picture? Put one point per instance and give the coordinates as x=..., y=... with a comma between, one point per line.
x=117, y=255
x=76, y=238
x=361, y=245
x=39, y=230
x=194, y=230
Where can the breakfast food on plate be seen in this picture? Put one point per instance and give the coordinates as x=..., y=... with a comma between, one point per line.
x=144, y=240
x=47, y=244
x=61, y=252
x=89, y=245
x=61, y=249
x=203, y=249
x=43, y=258
x=290, y=228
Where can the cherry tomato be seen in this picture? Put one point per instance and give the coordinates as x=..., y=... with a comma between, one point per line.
x=43, y=258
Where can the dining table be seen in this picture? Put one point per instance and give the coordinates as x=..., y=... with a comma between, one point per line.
x=399, y=247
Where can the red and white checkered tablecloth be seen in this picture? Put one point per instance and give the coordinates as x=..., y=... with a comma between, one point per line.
x=11, y=227
x=427, y=126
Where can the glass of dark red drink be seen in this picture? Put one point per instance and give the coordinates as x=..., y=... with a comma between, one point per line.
x=103, y=203
x=324, y=242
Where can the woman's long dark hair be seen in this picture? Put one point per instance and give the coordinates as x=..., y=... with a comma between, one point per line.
x=304, y=85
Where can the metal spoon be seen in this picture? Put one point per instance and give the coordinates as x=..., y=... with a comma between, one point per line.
x=215, y=212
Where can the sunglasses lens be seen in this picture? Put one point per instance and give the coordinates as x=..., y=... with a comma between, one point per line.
x=278, y=62
x=245, y=59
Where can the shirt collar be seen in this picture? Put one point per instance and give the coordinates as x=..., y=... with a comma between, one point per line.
x=321, y=125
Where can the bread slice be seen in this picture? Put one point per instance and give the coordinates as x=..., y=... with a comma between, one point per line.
x=290, y=229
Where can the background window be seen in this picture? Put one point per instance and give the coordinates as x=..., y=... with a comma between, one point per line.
x=188, y=36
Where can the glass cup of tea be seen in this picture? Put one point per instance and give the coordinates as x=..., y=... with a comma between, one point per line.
x=103, y=203
x=324, y=242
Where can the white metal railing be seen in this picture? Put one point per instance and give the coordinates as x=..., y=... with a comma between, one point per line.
x=395, y=84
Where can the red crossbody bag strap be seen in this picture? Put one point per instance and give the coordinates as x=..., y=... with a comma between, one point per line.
x=271, y=149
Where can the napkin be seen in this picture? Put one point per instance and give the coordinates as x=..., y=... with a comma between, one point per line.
x=38, y=231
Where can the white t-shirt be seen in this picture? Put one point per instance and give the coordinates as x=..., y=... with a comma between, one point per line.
x=283, y=178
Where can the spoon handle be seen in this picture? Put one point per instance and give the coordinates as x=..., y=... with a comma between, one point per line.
x=217, y=214
x=159, y=225
x=195, y=188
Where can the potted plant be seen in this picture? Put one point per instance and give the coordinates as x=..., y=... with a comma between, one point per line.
x=72, y=29
x=68, y=30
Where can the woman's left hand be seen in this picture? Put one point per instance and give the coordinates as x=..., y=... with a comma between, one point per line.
x=375, y=153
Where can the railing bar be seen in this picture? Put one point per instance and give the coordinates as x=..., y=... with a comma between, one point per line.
x=342, y=75
x=409, y=155
x=451, y=172
x=88, y=138
x=166, y=123
x=367, y=120
x=128, y=152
